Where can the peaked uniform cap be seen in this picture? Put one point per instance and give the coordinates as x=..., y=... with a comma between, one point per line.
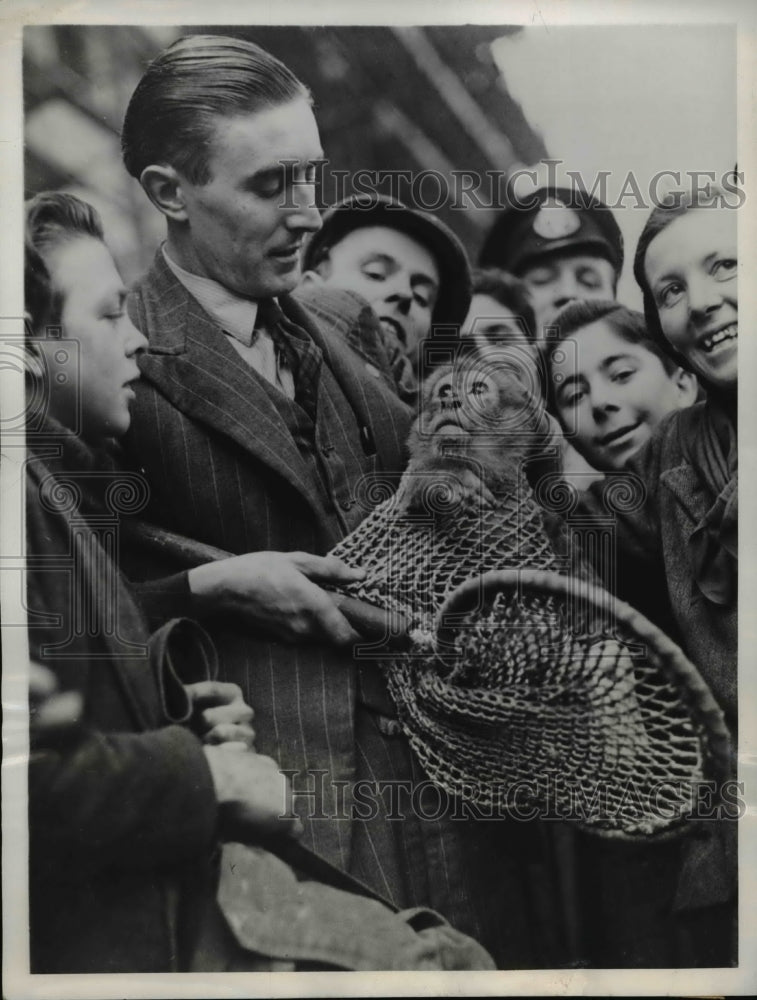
x=555, y=220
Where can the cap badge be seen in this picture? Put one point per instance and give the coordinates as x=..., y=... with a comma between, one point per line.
x=554, y=220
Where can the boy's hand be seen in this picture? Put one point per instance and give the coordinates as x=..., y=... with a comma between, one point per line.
x=53, y=715
x=220, y=713
x=254, y=797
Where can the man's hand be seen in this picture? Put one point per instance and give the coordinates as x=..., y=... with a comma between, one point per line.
x=220, y=713
x=279, y=593
x=254, y=797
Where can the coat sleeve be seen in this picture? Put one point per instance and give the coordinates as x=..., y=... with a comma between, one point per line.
x=128, y=800
x=629, y=501
x=119, y=788
x=164, y=598
x=630, y=498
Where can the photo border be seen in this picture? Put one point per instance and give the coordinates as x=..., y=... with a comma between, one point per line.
x=548, y=14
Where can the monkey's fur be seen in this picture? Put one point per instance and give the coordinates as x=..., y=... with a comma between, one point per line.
x=477, y=427
x=464, y=504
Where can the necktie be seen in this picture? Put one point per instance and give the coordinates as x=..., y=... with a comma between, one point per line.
x=267, y=351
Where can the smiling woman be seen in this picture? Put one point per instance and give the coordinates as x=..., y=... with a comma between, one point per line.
x=687, y=515
x=688, y=276
x=685, y=264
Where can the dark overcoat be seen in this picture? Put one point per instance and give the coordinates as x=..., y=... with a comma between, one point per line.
x=675, y=515
x=122, y=809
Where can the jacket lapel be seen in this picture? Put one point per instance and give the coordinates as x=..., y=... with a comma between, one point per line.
x=192, y=364
x=366, y=395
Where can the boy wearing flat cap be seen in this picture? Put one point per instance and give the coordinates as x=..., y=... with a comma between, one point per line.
x=564, y=246
x=409, y=266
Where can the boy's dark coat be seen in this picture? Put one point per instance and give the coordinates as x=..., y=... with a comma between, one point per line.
x=122, y=810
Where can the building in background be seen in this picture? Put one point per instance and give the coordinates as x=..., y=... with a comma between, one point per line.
x=440, y=116
x=425, y=108
x=641, y=104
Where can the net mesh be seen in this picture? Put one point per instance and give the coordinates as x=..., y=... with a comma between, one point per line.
x=530, y=698
x=415, y=560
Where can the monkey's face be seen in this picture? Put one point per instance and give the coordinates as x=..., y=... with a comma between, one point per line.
x=458, y=405
x=476, y=409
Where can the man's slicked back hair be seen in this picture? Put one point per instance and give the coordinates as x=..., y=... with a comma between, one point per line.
x=171, y=116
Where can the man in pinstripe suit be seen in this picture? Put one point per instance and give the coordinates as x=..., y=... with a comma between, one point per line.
x=262, y=431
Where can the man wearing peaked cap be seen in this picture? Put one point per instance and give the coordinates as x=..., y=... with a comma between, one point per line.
x=406, y=263
x=564, y=245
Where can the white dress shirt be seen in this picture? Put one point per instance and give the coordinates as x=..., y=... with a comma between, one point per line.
x=236, y=317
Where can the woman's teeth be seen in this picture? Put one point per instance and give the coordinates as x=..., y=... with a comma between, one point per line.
x=710, y=342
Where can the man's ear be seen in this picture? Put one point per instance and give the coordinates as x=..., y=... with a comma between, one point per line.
x=163, y=186
x=687, y=386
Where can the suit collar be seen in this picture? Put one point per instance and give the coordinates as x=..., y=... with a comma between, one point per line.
x=165, y=311
x=161, y=306
x=235, y=315
x=193, y=365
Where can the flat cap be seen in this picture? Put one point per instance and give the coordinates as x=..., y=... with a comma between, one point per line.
x=359, y=211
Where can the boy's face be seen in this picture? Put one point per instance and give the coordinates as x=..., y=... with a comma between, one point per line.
x=99, y=388
x=611, y=394
x=397, y=275
x=245, y=228
x=489, y=320
x=500, y=337
x=691, y=268
x=559, y=278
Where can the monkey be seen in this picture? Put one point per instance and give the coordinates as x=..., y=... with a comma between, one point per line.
x=479, y=423
x=464, y=507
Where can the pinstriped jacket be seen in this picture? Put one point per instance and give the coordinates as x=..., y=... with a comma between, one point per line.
x=223, y=468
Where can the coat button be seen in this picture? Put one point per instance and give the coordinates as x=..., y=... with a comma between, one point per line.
x=389, y=727
x=346, y=504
